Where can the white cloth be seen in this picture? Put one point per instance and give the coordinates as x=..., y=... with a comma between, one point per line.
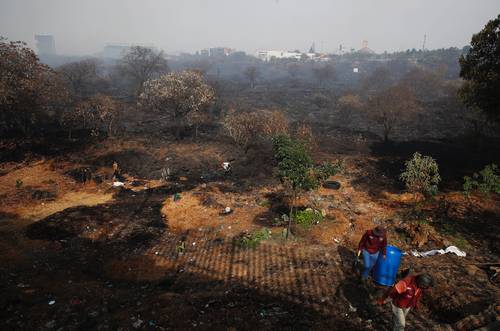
x=450, y=249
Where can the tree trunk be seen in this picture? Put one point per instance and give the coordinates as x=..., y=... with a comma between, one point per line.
x=110, y=131
x=290, y=216
x=178, y=131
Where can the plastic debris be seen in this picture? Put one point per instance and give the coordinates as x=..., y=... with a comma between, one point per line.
x=450, y=249
x=118, y=184
x=176, y=197
x=137, y=324
x=51, y=302
x=226, y=211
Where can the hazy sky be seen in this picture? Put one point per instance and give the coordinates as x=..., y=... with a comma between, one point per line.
x=84, y=26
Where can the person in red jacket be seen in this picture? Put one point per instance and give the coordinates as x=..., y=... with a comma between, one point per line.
x=405, y=295
x=373, y=243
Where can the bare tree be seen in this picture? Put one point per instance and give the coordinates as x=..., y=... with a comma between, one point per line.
x=244, y=128
x=392, y=107
x=294, y=70
x=177, y=94
x=203, y=66
x=425, y=85
x=324, y=73
x=81, y=77
x=92, y=114
x=251, y=74
x=197, y=118
x=141, y=64
x=29, y=90
x=378, y=80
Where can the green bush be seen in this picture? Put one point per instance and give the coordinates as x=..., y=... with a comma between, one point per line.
x=308, y=217
x=421, y=175
x=253, y=239
x=486, y=181
x=296, y=169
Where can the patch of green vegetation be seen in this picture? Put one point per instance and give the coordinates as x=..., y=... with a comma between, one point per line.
x=253, y=239
x=264, y=203
x=280, y=221
x=306, y=218
x=461, y=243
x=181, y=247
x=454, y=236
x=423, y=221
x=486, y=181
x=421, y=175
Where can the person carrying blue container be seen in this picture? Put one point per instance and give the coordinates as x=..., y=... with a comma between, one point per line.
x=372, y=244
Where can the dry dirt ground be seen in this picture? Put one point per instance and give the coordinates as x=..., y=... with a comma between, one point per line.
x=160, y=255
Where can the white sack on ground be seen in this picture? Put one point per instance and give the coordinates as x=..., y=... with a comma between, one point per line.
x=450, y=249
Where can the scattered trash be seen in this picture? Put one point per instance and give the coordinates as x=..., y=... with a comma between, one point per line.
x=274, y=311
x=176, y=197
x=450, y=249
x=51, y=302
x=226, y=166
x=165, y=174
x=352, y=309
x=336, y=240
x=331, y=184
x=118, y=184
x=94, y=313
x=50, y=324
x=137, y=324
x=226, y=211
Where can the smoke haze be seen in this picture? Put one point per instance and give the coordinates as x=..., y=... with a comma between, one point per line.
x=84, y=27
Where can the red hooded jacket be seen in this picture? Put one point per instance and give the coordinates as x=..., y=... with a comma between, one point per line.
x=406, y=293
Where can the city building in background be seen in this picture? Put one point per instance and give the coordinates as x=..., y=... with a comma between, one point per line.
x=45, y=44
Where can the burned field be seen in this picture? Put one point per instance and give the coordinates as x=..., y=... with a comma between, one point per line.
x=225, y=191
x=163, y=254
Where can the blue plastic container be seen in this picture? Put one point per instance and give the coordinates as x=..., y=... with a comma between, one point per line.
x=385, y=271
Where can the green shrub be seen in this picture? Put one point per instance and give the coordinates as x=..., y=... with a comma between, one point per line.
x=486, y=181
x=421, y=175
x=253, y=239
x=306, y=218
x=296, y=169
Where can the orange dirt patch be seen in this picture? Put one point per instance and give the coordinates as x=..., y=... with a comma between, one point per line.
x=45, y=176
x=202, y=209
x=331, y=231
